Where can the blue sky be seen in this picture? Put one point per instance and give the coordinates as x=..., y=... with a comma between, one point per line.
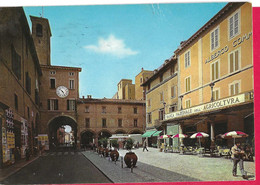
x=111, y=42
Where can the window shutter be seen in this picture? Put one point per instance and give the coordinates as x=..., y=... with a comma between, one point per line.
x=236, y=24
x=232, y=89
x=189, y=84
x=49, y=106
x=231, y=62
x=231, y=34
x=213, y=72
x=216, y=38
x=236, y=60
x=216, y=66
x=236, y=88
x=212, y=40
x=217, y=95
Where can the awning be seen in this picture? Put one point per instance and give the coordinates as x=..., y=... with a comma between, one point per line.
x=148, y=133
x=157, y=133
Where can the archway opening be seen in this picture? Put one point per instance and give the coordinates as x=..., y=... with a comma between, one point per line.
x=63, y=132
x=87, y=139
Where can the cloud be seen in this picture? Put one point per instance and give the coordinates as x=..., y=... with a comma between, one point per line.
x=113, y=46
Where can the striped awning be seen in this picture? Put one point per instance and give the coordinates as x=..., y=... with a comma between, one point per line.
x=157, y=133
x=148, y=133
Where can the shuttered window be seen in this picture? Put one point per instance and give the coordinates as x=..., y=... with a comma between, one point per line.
x=173, y=91
x=187, y=83
x=188, y=104
x=234, y=24
x=53, y=104
x=234, y=61
x=187, y=59
x=216, y=94
x=215, y=39
x=215, y=70
x=234, y=88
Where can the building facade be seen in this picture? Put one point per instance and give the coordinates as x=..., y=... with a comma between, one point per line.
x=98, y=118
x=20, y=74
x=142, y=77
x=215, y=78
x=161, y=98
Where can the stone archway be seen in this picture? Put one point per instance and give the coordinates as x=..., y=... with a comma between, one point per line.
x=120, y=131
x=87, y=138
x=56, y=134
x=135, y=131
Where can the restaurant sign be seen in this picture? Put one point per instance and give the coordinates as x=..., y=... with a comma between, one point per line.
x=220, y=104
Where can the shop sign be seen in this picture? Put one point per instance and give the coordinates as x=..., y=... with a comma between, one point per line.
x=220, y=104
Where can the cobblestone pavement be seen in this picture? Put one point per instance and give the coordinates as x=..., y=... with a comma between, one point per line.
x=155, y=166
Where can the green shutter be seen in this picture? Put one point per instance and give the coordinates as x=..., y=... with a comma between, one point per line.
x=236, y=60
x=231, y=63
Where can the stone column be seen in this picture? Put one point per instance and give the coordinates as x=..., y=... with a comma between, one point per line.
x=181, y=132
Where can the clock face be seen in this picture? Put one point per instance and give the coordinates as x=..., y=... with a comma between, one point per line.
x=62, y=91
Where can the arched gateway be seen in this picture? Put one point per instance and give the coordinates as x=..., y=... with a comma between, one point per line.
x=57, y=135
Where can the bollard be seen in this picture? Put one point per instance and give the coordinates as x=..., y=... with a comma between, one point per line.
x=115, y=158
x=132, y=165
x=122, y=165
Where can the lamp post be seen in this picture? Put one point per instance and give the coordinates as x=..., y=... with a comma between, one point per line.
x=181, y=101
x=164, y=126
x=211, y=86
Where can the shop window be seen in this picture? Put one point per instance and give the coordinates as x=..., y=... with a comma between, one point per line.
x=234, y=88
x=16, y=63
x=234, y=24
x=234, y=61
x=87, y=122
x=53, y=104
x=187, y=84
x=214, y=39
x=71, y=105
x=71, y=84
x=52, y=83
x=104, y=123
x=135, y=122
x=16, y=102
x=120, y=122
x=215, y=71
x=173, y=91
x=39, y=30
x=187, y=59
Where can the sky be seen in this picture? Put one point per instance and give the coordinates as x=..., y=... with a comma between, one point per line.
x=113, y=42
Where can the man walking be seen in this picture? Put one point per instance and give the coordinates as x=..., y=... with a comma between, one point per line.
x=145, y=145
x=237, y=157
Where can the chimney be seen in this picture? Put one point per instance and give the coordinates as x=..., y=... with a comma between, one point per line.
x=89, y=96
x=142, y=68
x=83, y=97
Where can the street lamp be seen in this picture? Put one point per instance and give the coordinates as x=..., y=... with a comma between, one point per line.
x=211, y=86
x=181, y=101
x=164, y=126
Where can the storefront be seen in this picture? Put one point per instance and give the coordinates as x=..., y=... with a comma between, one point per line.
x=216, y=118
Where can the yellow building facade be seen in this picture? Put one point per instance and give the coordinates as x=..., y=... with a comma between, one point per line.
x=215, y=79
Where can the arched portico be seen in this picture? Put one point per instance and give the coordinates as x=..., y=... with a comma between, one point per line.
x=135, y=131
x=87, y=138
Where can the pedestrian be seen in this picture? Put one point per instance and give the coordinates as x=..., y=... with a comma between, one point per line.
x=145, y=146
x=237, y=157
x=27, y=154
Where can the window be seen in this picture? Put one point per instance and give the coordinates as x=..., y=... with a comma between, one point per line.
x=161, y=114
x=71, y=85
x=71, y=73
x=173, y=91
x=28, y=112
x=16, y=102
x=87, y=109
x=52, y=83
x=234, y=25
x=215, y=71
x=104, y=123
x=28, y=83
x=173, y=108
x=135, y=110
x=149, y=118
x=216, y=94
x=161, y=78
x=234, y=88
x=52, y=72
x=135, y=122
x=141, y=80
x=234, y=61
x=119, y=122
x=214, y=39
x=53, y=104
x=188, y=104
x=149, y=102
x=103, y=109
x=187, y=59
x=71, y=105
x=39, y=30
x=87, y=122
x=172, y=70
x=187, y=83
x=161, y=97
x=119, y=110
x=16, y=63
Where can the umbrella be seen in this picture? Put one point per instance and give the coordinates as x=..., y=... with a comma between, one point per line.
x=234, y=135
x=180, y=136
x=164, y=136
x=199, y=135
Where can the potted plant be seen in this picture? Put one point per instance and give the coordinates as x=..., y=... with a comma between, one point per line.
x=130, y=155
x=114, y=155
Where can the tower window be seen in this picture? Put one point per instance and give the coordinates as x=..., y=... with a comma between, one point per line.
x=39, y=30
